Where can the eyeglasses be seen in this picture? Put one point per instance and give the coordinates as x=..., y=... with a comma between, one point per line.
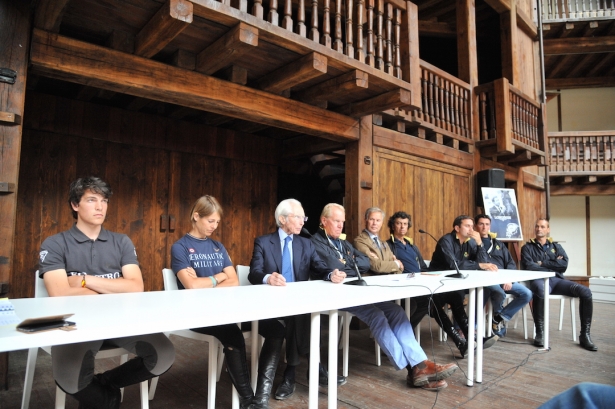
x=304, y=218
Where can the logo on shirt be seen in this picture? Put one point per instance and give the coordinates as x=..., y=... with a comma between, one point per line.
x=553, y=250
x=497, y=247
x=191, y=250
x=42, y=255
x=465, y=254
x=216, y=249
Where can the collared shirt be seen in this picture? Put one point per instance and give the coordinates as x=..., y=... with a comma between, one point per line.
x=283, y=237
x=406, y=254
x=76, y=253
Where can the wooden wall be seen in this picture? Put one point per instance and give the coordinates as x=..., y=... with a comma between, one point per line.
x=155, y=166
x=433, y=193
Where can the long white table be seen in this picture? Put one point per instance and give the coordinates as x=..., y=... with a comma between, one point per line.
x=118, y=315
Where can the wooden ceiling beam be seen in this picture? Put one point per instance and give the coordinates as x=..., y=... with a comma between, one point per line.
x=238, y=41
x=526, y=24
x=583, y=45
x=582, y=190
x=339, y=86
x=570, y=83
x=170, y=20
x=436, y=29
x=308, y=67
x=500, y=6
x=588, y=180
x=562, y=180
x=392, y=99
x=84, y=63
x=48, y=15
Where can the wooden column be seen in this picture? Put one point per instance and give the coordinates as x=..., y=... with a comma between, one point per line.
x=359, y=178
x=409, y=51
x=14, y=40
x=508, y=36
x=467, y=63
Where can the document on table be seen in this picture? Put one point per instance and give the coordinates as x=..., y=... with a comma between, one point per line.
x=7, y=313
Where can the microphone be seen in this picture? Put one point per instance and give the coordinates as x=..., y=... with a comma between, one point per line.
x=459, y=274
x=359, y=280
x=305, y=233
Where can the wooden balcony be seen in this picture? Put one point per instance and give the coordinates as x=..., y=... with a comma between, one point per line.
x=310, y=59
x=579, y=43
x=511, y=125
x=444, y=116
x=582, y=162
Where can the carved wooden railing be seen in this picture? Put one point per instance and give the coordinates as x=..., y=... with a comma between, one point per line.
x=366, y=30
x=554, y=10
x=509, y=117
x=586, y=152
x=445, y=101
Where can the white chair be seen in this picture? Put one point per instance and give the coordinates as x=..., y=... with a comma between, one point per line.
x=40, y=291
x=563, y=299
x=216, y=354
x=508, y=299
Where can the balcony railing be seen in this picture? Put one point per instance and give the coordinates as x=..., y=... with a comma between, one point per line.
x=366, y=30
x=509, y=119
x=554, y=10
x=589, y=152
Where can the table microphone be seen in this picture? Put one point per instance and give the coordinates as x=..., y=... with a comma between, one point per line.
x=459, y=274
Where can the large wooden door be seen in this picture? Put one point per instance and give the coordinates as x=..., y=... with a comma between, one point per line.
x=432, y=193
x=138, y=176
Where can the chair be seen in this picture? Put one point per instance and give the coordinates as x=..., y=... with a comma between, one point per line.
x=563, y=299
x=508, y=299
x=216, y=355
x=40, y=291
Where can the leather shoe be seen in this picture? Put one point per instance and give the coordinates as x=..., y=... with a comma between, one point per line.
x=428, y=371
x=285, y=390
x=435, y=385
x=323, y=377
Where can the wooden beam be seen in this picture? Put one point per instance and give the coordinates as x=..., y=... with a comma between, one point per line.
x=500, y=6
x=436, y=29
x=526, y=24
x=392, y=99
x=562, y=180
x=76, y=61
x=10, y=118
x=410, y=61
x=582, y=190
x=390, y=139
x=236, y=74
x=570, y=83
x=467, y=60
x=184, y=59
x=48, y=15
x=588, y=180
x=172, y=18
x=121, y=41
x=588, y=45
x=503, y=116
x=340, y=86
x=223, y=52
x=533, y=180
x=297, y=72
x=509, y=44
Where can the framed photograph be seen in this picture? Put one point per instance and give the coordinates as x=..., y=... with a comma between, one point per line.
x=501, y=206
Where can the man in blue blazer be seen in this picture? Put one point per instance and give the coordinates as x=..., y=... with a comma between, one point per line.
x=282, y=257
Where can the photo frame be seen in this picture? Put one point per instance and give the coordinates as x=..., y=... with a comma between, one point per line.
x=501, y=206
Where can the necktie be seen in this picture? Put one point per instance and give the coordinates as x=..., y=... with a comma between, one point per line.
x=287, y=268
x=378, y=245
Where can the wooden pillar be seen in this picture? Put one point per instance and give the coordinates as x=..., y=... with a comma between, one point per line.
x=14, y=42
x=508, y=36
x=409, y=43
x=359, y=178
x=467, y=67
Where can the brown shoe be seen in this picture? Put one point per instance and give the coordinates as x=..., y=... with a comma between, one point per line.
x=428, y=371
x=435, y=385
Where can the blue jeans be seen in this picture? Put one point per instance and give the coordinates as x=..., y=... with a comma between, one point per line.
x=522, y=295
x=585, y=395
x=392, y=331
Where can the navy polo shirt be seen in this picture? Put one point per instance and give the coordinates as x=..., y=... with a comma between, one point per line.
x=76, y=253
x=407, y=256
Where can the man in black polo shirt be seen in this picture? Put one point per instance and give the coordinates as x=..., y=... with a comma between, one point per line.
x=89, y=260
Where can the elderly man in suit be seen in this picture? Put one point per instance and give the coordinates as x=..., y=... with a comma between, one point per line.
x=386, y=320
x=283, y=257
